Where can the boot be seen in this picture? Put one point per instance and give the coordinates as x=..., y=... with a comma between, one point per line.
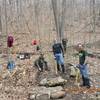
x=83, y=81
x=58, y=67
x=63, y=68
x=86, y=82
x=64, y=49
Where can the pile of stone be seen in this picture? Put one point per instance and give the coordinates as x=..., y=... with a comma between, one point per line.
x=50, y=89
x=51, y=82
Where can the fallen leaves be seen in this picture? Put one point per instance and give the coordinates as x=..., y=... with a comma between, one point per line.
x=76, y=90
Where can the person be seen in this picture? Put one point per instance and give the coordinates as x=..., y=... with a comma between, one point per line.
x=83, y=65
x=40, y=63
x=59, y=55
x=64, y=44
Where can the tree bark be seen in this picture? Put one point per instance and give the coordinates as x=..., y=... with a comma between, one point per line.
x=0, y=21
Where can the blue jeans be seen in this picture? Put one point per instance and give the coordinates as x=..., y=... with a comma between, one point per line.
x=84, y=70
x=59, y=58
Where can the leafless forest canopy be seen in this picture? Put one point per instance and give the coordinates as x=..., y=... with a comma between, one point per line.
x=36, y=18
x=23, y=15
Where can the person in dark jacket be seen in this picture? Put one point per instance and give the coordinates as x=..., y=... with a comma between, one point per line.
x=83, y=65
x=59, y=55
x=40, y=63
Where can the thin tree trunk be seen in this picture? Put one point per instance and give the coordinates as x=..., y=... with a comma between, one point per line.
x=55, y=12
x=62, y=23
x=0, y=21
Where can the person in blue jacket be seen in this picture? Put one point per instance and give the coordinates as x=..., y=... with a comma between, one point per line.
x=59, y=55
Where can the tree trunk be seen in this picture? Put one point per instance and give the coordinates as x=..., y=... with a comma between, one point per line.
x=0, y=22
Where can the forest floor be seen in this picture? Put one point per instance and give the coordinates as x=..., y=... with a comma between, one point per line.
x=18, y=84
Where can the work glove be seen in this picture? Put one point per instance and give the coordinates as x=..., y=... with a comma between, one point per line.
x=54, y=58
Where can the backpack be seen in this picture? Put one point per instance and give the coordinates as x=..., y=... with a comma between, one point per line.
x=11, y=65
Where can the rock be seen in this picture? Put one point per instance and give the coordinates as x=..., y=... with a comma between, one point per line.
x=53, y=81
x=58, y=94
x=75, y=73
x=68, y=97
x=92, y=98
x=98, y=98
x=32, y=97
x=44, y=90
x=1, y=86
x=5, y=74
x=43, y=93
x=42, y=97
x=43, y=82
x=0, y=67
x=7, y=90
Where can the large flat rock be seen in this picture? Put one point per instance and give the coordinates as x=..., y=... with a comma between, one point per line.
x=44, y=93
x=58, y=81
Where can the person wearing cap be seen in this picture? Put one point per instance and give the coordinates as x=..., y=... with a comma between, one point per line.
x=59, y=55
x=83, y=65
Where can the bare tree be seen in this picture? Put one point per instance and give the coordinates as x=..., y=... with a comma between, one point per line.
x=0, y=21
